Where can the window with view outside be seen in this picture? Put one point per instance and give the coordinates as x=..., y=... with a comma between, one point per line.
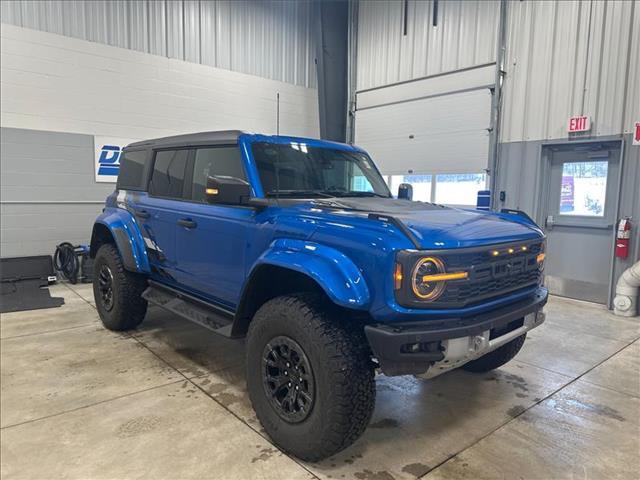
x=297, y=169
x=583, y=188
x=421, y=186
x=459, y=188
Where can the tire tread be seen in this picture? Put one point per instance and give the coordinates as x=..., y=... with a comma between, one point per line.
x=130, y=308
x=348, y=363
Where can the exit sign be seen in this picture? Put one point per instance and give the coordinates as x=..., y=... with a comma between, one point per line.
x=579, y=124
x=636, y=134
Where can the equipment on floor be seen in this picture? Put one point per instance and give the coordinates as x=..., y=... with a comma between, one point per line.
x=24, y=282
x=73, y=263
x=625, y=303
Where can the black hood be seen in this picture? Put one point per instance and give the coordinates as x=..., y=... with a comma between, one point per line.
x=436, y=226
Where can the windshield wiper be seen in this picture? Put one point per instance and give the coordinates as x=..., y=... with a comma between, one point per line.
x=363, y=194
x=299, y=193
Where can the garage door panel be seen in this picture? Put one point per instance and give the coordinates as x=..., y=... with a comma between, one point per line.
x=447, y=134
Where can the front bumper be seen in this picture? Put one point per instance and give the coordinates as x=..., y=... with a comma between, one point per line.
x=412, y=348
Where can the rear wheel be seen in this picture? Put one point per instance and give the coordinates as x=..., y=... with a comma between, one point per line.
x=117, y=292
x=310, y=378
x=497, y=358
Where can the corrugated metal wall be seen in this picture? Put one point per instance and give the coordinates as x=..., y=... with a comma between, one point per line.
x=569, y=58
x=272, y=39
x=465, y=36
x=563, y=57
x=57, y=92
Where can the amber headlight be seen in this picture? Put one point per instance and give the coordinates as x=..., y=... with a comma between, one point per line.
x=425, y=281
x=420, y=279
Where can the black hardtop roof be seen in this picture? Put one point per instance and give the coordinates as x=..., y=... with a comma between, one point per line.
x=189, y=139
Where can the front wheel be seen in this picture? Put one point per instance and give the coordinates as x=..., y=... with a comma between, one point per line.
x=310, y=378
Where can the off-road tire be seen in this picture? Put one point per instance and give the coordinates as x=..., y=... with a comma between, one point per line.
x=128, y=307
x=343, y=373
x=497, y=358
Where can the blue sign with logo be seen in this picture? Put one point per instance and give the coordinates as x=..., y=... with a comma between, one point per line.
x=107, y=161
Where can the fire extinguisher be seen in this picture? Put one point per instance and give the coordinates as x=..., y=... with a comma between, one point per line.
x=622, y=238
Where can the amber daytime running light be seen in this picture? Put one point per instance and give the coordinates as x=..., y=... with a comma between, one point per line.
x=429, y=276
x=438, y=277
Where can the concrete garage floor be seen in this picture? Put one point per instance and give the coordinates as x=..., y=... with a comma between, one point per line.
x=168, y=401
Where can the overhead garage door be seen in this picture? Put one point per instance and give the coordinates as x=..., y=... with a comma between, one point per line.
x=445, y=134
x=424, y=131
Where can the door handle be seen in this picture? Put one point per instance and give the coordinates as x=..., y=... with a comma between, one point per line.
x=142, y=214
x=187, y=223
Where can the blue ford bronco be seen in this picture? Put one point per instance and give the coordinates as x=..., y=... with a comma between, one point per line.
x=298, y=245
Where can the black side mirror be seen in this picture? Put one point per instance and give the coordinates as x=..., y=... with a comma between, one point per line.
x=227, y=190
x=405, y=191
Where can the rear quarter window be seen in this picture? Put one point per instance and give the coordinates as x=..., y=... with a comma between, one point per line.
x=130, y=176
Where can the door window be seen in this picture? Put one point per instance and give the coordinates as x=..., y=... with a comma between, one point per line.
x=218, y=161
x=167, y=179
x=583, y=188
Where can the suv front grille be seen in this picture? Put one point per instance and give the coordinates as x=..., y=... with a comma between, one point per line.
x=463, y=294
x=490, y=276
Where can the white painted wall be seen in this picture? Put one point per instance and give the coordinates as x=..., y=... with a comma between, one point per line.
x=57, y=93
x=56, y=83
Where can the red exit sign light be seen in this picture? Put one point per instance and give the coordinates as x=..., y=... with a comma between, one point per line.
x=579, y=124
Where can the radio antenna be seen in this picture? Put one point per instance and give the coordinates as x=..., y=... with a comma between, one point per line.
x=277, y=113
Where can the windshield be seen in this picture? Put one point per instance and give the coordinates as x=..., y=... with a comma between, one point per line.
x=296, y=169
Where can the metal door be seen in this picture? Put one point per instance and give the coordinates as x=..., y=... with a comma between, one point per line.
x=211, y=253
x=580, y=212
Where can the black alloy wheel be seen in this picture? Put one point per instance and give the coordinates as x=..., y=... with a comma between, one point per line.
x=288, y=379
x=105, y=286
x=310, y=377
x=117, y=292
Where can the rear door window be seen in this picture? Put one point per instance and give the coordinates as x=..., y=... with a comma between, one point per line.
x=167, y=178
x=215, y=161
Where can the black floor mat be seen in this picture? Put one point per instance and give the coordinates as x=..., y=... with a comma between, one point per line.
x=26, y=295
